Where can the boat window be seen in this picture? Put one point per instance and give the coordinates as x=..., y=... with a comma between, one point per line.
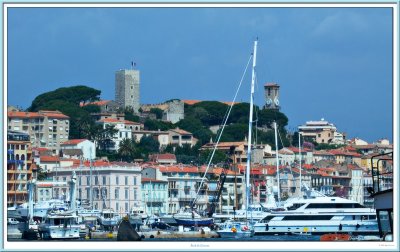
x=295, y=206
x=307, y=217
x=334, y=205
x=268, y=218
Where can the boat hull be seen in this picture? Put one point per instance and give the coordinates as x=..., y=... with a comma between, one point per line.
x=60, y=232
x=195, y=222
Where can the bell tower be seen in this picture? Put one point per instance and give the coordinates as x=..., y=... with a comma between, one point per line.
x=271, y=96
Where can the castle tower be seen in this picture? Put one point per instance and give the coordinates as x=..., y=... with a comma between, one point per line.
x=271, y=96
x=127, y=84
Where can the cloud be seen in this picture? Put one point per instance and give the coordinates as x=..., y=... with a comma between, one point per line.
x=340, y=23
x=261, y=22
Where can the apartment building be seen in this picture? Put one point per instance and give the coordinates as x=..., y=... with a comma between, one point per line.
x=19, y=167
x=47, y=129
x=319, y=131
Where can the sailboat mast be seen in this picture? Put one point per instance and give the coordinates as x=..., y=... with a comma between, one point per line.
x=300, y=160
x=277, y=163
x=250, y=127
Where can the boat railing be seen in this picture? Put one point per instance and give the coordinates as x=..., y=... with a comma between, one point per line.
x=382, y=180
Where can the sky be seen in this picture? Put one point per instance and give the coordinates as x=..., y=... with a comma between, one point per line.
x=331, y=63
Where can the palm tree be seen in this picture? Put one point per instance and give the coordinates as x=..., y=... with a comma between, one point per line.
x=127, y=149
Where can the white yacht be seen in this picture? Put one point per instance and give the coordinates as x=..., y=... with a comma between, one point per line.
x=59, y=225
x=41, y=208
x=319, y=215
x=109, y=218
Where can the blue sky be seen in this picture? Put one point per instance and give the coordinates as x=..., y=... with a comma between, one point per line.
x=332, y=63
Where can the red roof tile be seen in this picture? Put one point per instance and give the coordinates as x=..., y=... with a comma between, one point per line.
x=49, y=159
x=73, y=141
x=50, y=114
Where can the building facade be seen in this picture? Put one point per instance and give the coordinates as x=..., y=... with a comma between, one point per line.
x=127, y=89
x=318, y=131
x=112, y=185
x=272, y=96
x=87, y=148
x=46, y=128
x=19, y=167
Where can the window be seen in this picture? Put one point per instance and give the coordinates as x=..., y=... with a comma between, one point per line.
x=134, y=180
x=134, y=194
x=96, y=180
x=126, y=207
x=117, y=180
x=104, y=180
x=87, y=180
x=126, y=193
x=117, y=193
x=126, y=180
x=117, y=206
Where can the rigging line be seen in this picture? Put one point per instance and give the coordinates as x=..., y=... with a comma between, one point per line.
x=222, y=129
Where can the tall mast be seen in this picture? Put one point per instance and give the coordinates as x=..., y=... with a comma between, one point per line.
x=300, y=160
x=250, y=127
x=277, y=163
x=90, y=186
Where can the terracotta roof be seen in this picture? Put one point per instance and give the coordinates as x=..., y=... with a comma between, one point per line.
x=163, y=156
x=179, y=169
x=111, y=120
x=41, y=113
x=98, y=103
x=49, y=159
x=73, y=141
x=222, y=145
x=192, y=102
x=324, y=153
x=181, y=131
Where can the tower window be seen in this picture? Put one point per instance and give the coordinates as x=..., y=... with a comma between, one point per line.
x=132, y=96
x=269, y=91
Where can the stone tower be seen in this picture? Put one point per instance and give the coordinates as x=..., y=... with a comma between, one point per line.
x=127, y=87
x=271, y=96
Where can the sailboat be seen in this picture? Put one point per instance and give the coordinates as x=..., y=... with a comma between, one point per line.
x=232, y=228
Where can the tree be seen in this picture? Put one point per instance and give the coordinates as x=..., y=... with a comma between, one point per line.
x=148, y=145
x=219, y=157
x=104, y=137
x=158, y=112
x=150, y=124
x=235, y=132
x=74, y=95
x=130, y=115
x=41, y=173
x=216, y=112
x=195, y=126
x=127, y=149
x=267, y=116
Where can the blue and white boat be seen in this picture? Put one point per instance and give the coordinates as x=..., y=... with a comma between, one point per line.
x=189, y=217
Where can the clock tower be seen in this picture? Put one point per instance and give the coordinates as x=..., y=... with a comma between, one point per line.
x=272, y=96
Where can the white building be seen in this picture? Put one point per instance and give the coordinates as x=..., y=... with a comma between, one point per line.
x=114, y=185
x=319, y=131
x=124, y=128
x=87, y=147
